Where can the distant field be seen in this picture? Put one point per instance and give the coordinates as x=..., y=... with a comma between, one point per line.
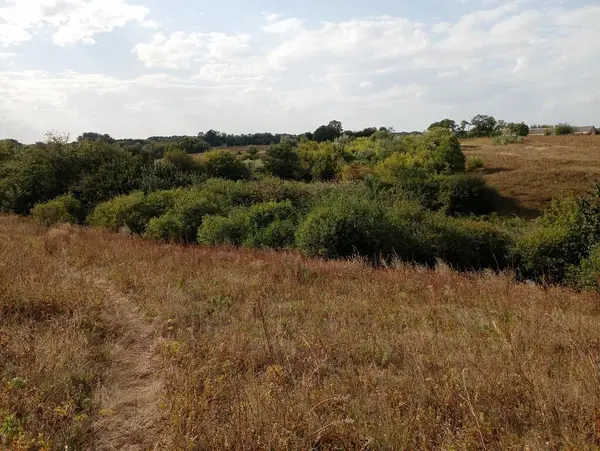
x=539, y=170
x=109, y=342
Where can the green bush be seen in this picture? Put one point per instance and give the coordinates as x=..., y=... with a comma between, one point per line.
x=465, y=244
x=103, y=171
x=133, y=210
x=541, y=255
x=269, y=224
x=322, y=161
x=519, y=129
x=283, y=161
x=506, y=137
x=190, y=207
x=223, y=230
x=465, y=194
x=564, y=129
x=442, y=153
x=586, y=276
x=474, y=163
x=344, y=226
x=34, y=175
x=266, y=190
x=458, y=194
x=225, y=164
x=164, y=176
x=167, y=227
x=181, y=160
x=59, y=210
x=116, y=213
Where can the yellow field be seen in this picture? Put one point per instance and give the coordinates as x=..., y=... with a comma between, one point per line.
x=109, y=342
x=542, y=168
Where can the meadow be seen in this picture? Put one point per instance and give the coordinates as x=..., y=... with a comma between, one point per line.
x=541, y=169
x=271, y=350
x=384, y=292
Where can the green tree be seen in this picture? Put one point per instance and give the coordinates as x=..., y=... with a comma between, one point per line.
x=283, y=161
x=337, y=126
x=445, y=123
x=326, y=133
x=212, y=137
x=92, y=136
x=483, y=125
x=193, y=145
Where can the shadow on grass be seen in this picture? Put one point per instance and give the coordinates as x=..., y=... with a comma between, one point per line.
x=489, y=171
x=509, y=206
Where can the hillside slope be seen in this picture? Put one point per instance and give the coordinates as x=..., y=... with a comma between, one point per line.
x=253, y=349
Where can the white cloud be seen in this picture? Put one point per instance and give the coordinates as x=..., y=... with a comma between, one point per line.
x=181, y=50
x=283, y=26
x=516, y=60
x=369, y=38
x=70, y=21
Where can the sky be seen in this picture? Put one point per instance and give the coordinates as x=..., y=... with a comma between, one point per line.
x=139, y=68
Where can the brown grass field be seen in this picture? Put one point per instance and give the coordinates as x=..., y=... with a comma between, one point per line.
x=542, y=168
x=244, y=349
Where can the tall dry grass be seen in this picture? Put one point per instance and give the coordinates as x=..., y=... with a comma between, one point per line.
x=271, y=350
x=52, y=340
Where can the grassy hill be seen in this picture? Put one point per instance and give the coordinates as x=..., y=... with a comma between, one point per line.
x=541, y=169
x=246, y=349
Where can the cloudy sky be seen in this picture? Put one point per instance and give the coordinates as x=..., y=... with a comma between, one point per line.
x=136, y=68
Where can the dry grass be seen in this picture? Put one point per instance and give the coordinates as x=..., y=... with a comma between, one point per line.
x=51, y=342
x=542, y=168
x=271, y=350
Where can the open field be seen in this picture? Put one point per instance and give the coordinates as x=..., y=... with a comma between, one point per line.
x=542, y=168
x=245, y=349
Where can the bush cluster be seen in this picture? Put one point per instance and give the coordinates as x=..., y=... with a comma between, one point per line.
x=380, y=197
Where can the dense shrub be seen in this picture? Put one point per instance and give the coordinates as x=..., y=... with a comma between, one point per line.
x=269, y=224
x=441, y=152
x=564, y=129
x=225, y=164
x=465, y=194
x=282, y=161
x=345, y=226
x=102, y=171
x=168, y=227
x=506, y=137
x=519, y=129
x=133, y=210
x=181, y=161
x=465, y=244
x=541, y=254
x=218, y=230
x=561, y=238
x=61, y=209
x=164, y=176
x=474, y=163
x=586, y=276
x=35, y=174
x=268, y=189
x=190, y=207
x=321, y=161
x=458, y=194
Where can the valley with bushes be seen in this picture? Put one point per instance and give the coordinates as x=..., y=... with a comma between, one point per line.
x=331, y=290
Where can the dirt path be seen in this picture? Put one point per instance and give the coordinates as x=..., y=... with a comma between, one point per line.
x=133, y=390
